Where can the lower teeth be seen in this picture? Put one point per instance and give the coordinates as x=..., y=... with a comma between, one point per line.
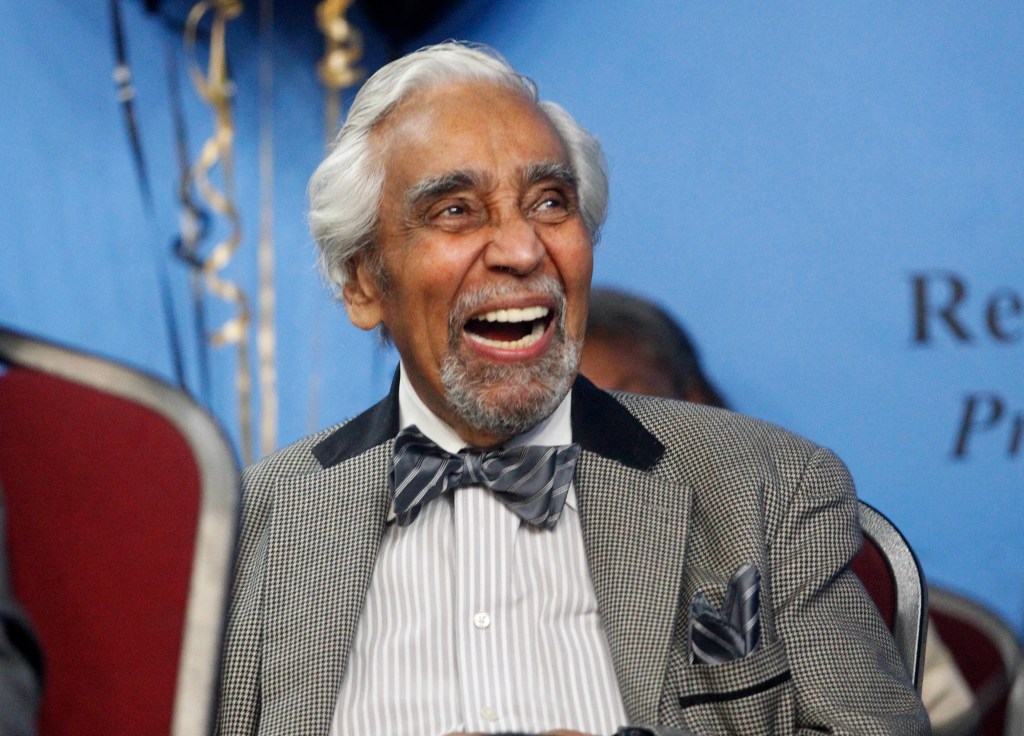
x=523, y=342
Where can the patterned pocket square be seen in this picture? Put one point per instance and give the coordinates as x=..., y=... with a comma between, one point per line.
x=735, y=631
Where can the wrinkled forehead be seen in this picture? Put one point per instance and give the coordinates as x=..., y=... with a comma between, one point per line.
x=446, y=120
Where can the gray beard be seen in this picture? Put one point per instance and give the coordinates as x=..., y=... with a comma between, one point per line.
x=506, y=400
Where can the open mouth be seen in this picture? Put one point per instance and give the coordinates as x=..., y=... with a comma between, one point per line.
x=510, y=329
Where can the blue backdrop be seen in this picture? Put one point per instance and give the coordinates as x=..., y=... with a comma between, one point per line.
x=830, y=196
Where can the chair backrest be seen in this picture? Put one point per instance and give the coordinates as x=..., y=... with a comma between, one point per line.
x=122, y=503
x=986, y=650
x=889, y=570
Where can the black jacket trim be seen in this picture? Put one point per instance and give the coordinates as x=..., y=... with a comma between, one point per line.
x=374, y=426
x=704, y=698
x=600, y=424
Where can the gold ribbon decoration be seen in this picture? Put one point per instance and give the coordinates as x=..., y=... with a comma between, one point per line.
x=337, y=69
x=343, y=47
x=266, y=337
x=216, y=89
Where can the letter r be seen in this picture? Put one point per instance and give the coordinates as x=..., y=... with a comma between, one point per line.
x=924, y=310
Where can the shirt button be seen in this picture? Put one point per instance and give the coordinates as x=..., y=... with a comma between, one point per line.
x=482, y=620
x=489, y=714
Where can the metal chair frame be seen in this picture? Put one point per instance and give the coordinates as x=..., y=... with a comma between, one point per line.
x=911, y=592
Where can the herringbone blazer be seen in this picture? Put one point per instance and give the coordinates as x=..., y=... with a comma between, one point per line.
x=673, y=498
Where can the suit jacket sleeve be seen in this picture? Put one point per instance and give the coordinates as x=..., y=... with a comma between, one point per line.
x=826, y=662
x=847, y=673
x=21, y=661
x=20, y=676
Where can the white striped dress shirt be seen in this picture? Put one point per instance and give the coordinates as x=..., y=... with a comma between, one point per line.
x=477, y=622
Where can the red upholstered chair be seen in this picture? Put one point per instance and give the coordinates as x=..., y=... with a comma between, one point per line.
x=988, y=653
x=122, y=502
x=890, y=572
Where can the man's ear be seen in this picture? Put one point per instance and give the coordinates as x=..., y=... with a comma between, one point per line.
x=363, y=294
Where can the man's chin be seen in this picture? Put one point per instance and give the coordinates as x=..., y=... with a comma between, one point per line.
x=505, y=400
x=519, y=400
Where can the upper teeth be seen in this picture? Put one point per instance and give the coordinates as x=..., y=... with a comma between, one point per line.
x=514, y=315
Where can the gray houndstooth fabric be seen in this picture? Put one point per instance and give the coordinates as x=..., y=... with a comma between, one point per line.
x=673, y=499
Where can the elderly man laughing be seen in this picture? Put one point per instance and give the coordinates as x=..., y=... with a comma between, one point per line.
x=498, y=545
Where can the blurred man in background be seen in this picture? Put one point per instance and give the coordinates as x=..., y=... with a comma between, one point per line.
x=634, y=345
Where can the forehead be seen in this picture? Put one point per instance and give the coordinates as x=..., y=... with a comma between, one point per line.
x=466, y=126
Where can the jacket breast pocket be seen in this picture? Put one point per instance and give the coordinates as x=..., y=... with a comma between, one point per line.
x=752, y=695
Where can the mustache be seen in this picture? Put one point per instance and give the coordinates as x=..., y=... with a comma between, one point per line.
x=470, y=302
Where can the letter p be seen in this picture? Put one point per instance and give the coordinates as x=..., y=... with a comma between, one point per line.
x=972, y=420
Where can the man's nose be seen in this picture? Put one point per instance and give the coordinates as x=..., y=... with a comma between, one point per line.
x=515, y=246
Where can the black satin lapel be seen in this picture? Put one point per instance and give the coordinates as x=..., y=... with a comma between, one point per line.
x=603, y=426
x=369, y=429
x=599, y=423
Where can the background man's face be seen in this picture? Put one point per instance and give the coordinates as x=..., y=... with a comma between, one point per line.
x=621, y=364
x=486, y=256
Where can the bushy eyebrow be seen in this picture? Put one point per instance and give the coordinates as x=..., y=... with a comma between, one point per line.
x=436, y=187
x=546, y=170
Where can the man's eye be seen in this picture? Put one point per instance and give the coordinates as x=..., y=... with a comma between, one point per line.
x=448, y=210
x=551, y=208
x=455, y=216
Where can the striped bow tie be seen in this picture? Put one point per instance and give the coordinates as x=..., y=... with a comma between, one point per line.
x=532, y=481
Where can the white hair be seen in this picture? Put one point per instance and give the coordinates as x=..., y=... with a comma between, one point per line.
x=346, y=188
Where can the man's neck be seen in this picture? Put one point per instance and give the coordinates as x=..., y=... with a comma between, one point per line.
x=555, y=429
